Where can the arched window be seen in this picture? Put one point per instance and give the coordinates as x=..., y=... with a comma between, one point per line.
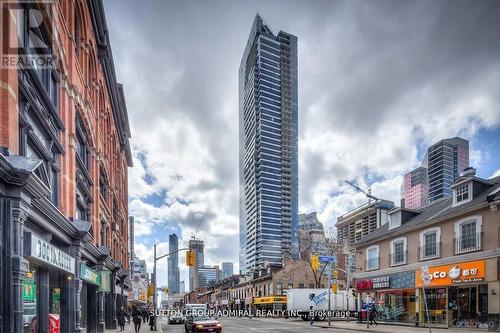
x=78, y=27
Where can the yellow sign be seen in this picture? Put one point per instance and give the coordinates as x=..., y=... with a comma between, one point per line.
x=270, y=300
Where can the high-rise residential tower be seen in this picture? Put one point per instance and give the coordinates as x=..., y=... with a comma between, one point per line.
x=445, y=160
x=227, y=269
x=173, y=265
x=442, y=164
x=414, y=188
x=198, y=246
x=268, y=123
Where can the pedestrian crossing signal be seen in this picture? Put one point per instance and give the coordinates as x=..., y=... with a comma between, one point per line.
x=190, y=258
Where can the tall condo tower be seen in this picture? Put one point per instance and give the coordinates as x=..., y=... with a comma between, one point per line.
x=268, y=125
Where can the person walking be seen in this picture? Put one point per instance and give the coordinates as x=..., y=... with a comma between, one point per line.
x=137, y=319
x=122, y=318
x=373, y=312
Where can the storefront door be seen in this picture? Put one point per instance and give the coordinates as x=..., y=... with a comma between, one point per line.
x=463, y=302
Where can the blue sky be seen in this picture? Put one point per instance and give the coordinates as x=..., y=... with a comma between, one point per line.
x=378, y=83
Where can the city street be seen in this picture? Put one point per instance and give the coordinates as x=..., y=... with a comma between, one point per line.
x=259, y=325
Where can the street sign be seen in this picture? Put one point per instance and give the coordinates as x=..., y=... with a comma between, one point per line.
x=326, y=258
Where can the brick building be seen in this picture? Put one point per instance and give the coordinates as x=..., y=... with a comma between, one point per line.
x=454, y=243
x=64, y=155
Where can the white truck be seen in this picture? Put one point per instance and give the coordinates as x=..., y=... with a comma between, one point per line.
x=299, y=302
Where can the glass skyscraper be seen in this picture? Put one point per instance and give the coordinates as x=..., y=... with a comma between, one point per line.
x=442, y=165
x=445, y=160
x=268, y=124
x=173, y=265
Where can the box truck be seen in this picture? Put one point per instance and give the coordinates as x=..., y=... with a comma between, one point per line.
x=300, y=301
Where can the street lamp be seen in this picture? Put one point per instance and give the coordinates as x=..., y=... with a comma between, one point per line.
x=155, y=259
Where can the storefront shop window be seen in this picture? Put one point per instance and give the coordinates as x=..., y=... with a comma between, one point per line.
x=30, y=300
x=436, y=305
x=396, y=306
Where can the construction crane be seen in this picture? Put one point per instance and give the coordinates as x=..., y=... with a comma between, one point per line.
x=367, y=193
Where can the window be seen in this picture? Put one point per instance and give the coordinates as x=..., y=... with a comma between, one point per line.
x=398, y=251
x=462, y=194
x=279, y=289
x=372, y=257
x=468, y=234
x=430, y=243
x=38, y=140
x=103, y=184
x=81, y=144
x=394, y=219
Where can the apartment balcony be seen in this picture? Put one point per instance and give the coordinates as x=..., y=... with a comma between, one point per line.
x=428, y=254
x=468, y=243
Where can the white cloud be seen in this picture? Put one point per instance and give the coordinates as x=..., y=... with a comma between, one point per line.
x=373, y=90
x=495, y=174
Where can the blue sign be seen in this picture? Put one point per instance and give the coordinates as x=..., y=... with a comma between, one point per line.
x=326, y=258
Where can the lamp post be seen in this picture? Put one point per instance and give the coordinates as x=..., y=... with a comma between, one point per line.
x=155, y=259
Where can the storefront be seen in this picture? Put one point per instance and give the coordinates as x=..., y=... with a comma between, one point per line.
x=393, y=295
x=88, y=297
x=457, y=295
x=270, y=303
x=48, y=278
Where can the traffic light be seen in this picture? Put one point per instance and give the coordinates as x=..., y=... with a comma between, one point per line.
x=165, y=290
x=151, y=289
x=190, y=258
x=314, y=262
x=335, y=274
x=334, y=288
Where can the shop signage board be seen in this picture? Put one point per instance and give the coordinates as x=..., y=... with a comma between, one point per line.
x=44, y=253
x=400, y=280
x=472, y=271
x=89, y=275
x=104, y=285
x=270, y=300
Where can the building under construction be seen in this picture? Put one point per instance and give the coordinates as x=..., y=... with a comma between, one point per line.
x=359, y=222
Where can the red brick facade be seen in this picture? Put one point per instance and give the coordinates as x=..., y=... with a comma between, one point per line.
x=83, y=89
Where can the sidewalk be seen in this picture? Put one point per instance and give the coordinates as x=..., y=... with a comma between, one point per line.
x=129, y=328
x=384, y=328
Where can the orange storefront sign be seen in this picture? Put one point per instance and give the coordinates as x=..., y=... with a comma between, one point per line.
x=471, y=271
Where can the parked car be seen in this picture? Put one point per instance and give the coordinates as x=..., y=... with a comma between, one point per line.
x=203, y=323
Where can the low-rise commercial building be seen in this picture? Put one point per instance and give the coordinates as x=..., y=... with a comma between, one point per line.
x=455, y=242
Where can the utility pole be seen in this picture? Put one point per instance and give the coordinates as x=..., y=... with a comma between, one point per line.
x=329, y=291
x=155, y=259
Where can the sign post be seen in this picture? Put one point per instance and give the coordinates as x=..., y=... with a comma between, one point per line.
x=426, y=280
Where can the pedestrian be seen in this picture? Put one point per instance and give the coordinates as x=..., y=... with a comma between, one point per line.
x=122, y=317
x=152, y=320
x=137, y=319
x=144, y=313
x=373, y=312
x=311, y=315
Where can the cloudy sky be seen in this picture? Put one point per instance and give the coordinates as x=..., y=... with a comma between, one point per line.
x=378, y=82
